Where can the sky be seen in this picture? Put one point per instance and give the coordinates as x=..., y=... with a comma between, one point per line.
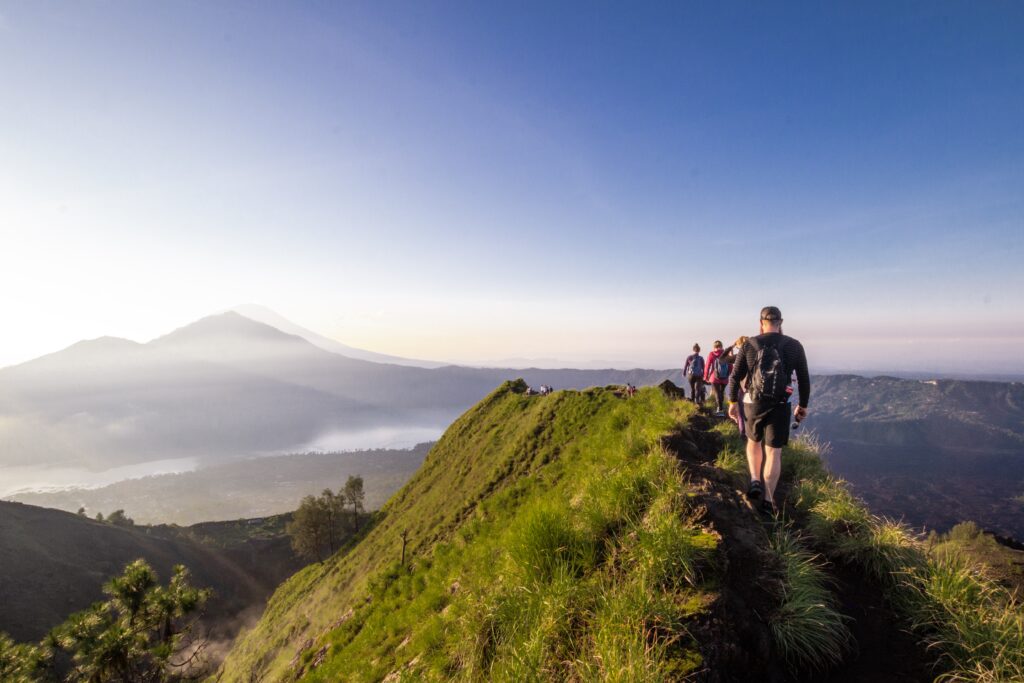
x=478, y=182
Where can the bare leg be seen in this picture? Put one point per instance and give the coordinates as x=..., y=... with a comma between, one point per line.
x=755, y=458
x=772, y=471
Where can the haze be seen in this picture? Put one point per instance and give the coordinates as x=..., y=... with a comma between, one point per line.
x=483, y=183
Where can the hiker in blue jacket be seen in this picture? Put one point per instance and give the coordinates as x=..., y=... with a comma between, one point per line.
x=693, y=372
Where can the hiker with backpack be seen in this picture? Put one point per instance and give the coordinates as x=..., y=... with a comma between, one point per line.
x=716, y=373
x=767, y=362
x=693, y=372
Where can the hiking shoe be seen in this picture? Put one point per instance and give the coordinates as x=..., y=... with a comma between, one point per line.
x=768, y=508
x=755, y=491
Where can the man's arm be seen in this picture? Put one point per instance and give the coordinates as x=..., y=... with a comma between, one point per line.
x=803, y=376
x=738, y=374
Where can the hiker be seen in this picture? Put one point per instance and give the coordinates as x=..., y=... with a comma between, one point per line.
x=767, y=363
x=630, y=390
x=693, y=372
x=730, y=357
x=716, y=373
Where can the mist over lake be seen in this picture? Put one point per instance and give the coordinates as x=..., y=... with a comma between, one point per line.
x=22, y=478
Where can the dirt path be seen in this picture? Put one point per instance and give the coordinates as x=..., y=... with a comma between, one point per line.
x=735, y=632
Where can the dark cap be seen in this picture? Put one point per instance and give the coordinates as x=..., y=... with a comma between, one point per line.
x=771, y=314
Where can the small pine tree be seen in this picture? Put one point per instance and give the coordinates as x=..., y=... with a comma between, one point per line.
x=21, y=663
x=81, y=512
x=137, y=633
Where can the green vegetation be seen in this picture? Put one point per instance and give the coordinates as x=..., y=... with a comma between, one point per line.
x=317, y=525
x=550, y=538
x=1004, y=564
x=955, y=606
x=808, y=629
x=141, y=632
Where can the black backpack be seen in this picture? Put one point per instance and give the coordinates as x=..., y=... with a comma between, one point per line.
x=769, y=377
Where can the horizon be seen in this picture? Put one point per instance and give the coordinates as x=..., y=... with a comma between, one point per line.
x=472, y=185
x=554, y=363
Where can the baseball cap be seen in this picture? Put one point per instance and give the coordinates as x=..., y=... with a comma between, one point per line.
x=771, y=313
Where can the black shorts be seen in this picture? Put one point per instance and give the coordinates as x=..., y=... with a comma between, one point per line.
x=768, y=423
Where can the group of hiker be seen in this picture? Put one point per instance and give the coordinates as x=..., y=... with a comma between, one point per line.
x=544, y=390
x=713, y=372
x=755, y=374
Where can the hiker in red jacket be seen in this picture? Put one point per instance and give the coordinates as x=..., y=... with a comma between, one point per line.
x=716, y=373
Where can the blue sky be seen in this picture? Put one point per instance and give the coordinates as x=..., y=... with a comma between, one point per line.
x=476, y=182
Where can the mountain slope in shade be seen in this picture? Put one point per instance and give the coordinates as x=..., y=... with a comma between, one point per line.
x=973, y=416
x=55, y=563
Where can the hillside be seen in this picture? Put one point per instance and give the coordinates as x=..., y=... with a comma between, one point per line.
x=975, y=416
x=55, y=563
x=587, y=536
x=902, y=443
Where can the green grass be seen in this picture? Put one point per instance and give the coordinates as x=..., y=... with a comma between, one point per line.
x=550, y=539
x=959, y=611
x=808, y=628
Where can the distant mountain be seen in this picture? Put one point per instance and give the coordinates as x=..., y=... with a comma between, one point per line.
x=268, y=317
x=971, y=415
x=930, y=452
x=227, y=386
x=55, y=563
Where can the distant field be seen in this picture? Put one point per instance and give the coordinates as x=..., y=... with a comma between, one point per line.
x=247, y=488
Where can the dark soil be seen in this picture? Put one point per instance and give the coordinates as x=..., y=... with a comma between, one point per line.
x=734, y=636
x=886, y=651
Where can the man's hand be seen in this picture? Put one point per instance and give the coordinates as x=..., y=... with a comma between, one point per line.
x=800, y=413
x=734, y=412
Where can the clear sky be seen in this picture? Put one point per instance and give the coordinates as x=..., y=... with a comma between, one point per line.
x=480, y=181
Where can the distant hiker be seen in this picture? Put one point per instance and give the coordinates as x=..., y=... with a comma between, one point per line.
x=766, y=364
x=717, y=375
x=630, y=390
x=693, y=372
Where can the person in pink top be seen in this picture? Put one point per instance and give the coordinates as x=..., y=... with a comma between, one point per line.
x=716, y=373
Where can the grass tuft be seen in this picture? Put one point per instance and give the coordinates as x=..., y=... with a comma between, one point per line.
x=808, y=628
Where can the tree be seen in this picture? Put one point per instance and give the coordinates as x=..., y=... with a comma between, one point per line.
x=316, y=525
x=81, y=512
x=354, y=496
x=99, y=516
x=119, y=518
x=21, y=663
x=140, y=633
x=308, y=527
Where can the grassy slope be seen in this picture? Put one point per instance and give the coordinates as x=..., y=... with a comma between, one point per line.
x=549, y=538
x=947, y=591
x=553, y=539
